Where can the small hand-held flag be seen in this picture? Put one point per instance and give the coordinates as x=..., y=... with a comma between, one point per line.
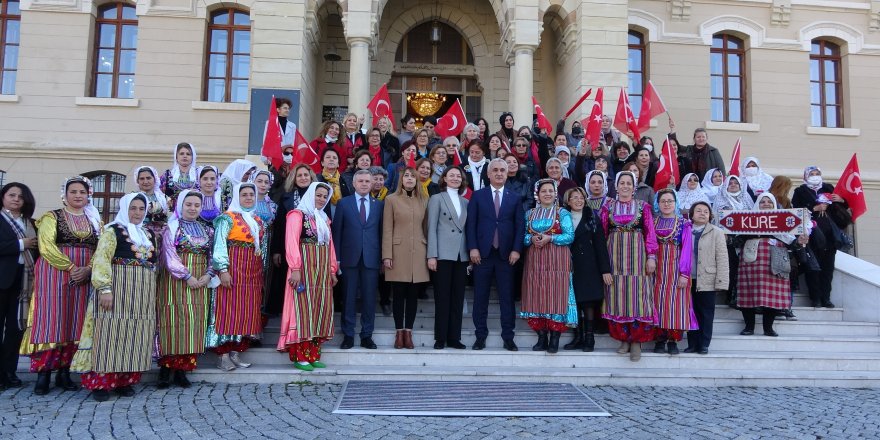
x=594, y=124
x=578, y=103
x=272, y=137
x=305, y=154
x=734, y=158
x=380, y=106
x=849, y=187
x=624, y=120
x=543, y=122
x=668, y=167
x=411, y=160
x=652, y=106
x=452, y=123
x=456, y=159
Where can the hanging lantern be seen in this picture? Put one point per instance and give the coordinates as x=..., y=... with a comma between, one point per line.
x=435, y=32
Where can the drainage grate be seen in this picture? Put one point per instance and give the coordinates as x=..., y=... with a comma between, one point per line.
x=402, y=398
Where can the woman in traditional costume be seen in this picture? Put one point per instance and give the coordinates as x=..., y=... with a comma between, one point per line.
x=67, y=240
x=209, y=187
x=548, y=302
x=238, y=171
x=182, y=174
x=266, y=209
x=307, y=319
x=118, y=335
x=147, y=180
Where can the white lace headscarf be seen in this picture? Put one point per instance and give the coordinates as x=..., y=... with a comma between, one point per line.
x=686, y=196
x=136, y=231
x=157, y=191
x=307, y=207
x=175, y=168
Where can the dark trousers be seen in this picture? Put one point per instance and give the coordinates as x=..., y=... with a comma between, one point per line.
x=449, y=282
x=704, y=309
x=384, y=291
x=9, y=320
x=354, y=279
x=405, y=304
x=767, y=320
x=819, y=282
x=493, y=266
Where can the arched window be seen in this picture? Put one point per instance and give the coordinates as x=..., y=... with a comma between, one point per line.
x=109, y=187
x=115, y=51
x=637, y=69
x=10, y=24
x=728, y=88
x=229, y=56
x=826, y=85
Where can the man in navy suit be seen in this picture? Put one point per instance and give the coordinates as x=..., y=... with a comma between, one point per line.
x=357, y=236
x=494, y=229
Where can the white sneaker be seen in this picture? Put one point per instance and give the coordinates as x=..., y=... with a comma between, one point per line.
x=225, y=363
x=234, y=357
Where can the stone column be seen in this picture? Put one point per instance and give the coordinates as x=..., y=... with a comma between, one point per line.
x=359, y=75
x=522, y=95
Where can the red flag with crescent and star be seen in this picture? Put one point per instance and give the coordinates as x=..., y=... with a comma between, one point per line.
x=305, y=154
x=652, y=105
x=849, y=187
x=452, y=123
x=594, y=123
x=380, y=106
x=667, y=170
x=624, y=119
x=543, y=122
x=272, y=137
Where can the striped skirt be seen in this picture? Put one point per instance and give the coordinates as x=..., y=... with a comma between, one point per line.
x=238, y=308
x=547, y=291
x=673, y=302
x=630, y=296
x=58, y=308
x=121, y=339
x=182, y=312
x=308, y=314
x=757, y=287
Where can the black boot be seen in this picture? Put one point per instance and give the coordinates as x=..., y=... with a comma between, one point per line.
x=589, y=340
x=181, y=380
x=768, y=324
x=63, y=380
x=749, y=318
x=578, y=341
x=542, y=341
x=660, y=347
x=553, y=346
x=42, y=386
x=164, y=378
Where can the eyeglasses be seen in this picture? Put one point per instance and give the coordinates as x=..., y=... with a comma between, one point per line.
x=667, y=202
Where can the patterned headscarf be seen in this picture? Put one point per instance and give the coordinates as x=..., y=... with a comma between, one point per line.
x=604, y=182
x=686, y=196
x=807, y=172
x=89, y=210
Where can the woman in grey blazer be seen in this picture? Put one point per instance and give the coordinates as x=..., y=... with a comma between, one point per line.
x=448, y=257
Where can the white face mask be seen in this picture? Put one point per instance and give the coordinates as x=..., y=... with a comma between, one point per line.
x=814, y=180
x=751, y=172
x=648, y=147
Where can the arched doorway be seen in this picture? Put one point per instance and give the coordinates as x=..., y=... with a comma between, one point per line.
x=434, y=66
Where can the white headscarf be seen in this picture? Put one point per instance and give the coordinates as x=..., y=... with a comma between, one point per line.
x=217, y=203
x=725, y=200
x=563, y=149
x=253, y=179
x=604, y=182
x=89, y=210
x=136, y=232
x=307, y=207
x=175, y=169
x=235, y=171
x=761, y=181
x=785, y=238
x=160, y=196
x=709, y=188
x=686, y=196
x=246, y=213
x=174, y=221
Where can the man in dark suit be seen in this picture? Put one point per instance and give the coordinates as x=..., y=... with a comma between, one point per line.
x=357, y=236
x=494, y=229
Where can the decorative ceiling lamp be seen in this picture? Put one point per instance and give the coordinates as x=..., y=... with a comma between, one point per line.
x=425, y=103
x=436, y=33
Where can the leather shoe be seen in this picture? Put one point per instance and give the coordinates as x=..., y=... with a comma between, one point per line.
x=690, y=350
x=439, y=345
x=771, y=333
x=703, y=351
x=479, y=344
x=347, y=343
x=368, y=343
x=386, y=309
x=828, y=305
x=456, y=345
x=747, y=332
x=509, y=345
x=100, y=395
x=126, y=391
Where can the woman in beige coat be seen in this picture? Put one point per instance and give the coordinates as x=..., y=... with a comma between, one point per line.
x=711, y=273
x=404, y=252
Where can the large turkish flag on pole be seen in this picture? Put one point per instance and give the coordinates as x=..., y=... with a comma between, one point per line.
x=305, y=154
x=624, y=120
x=652, y=106
x=272, y=137
x=543, y=122
x=594, y=124
x=849, y=187
x=452, y=123
x=668, y=168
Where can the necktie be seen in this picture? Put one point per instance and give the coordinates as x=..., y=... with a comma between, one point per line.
x=363, y=211
x=497, y=211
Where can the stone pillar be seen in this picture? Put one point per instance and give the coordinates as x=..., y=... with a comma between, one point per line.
x=511, y=92
x=522, y=95
x=359, y=75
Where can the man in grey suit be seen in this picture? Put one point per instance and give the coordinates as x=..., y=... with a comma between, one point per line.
x=448, y=257
x=357, y=236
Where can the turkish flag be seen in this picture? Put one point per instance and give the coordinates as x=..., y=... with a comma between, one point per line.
x=305, y=154
x=272, y=137
x=380, y=106
x=624, y=120
x=668, y=167
x=594, y=123
x=456, y=159
x=652, y=106
x=543, y=122
x=734, y=158
x=452, y=123
x=849, y=187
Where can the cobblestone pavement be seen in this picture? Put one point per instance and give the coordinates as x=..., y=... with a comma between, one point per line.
x=229, y=412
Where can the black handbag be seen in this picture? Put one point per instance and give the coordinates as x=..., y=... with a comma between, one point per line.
x=806, y=258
